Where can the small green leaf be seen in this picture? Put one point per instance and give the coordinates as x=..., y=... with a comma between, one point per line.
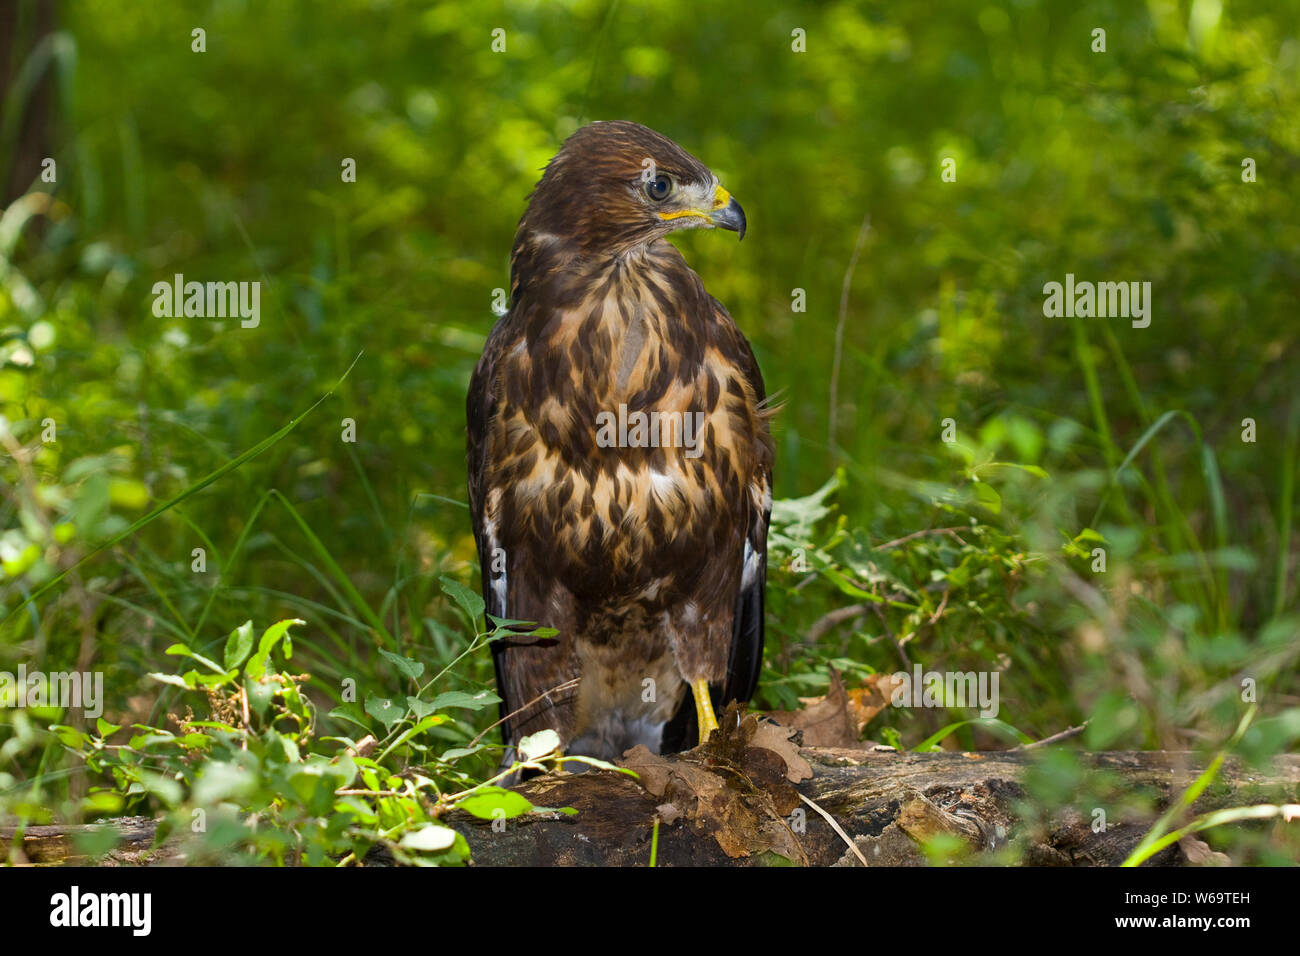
x=458, y=698
x=222, y=780
x=1034, y=470
x=405, y=666
x=469, y=602
x=103, y=801
x=986, y=496
x=455, y=753
x=510, y=623
x=384, y=710
x=183, y=650
x=351, y=713
x=433, y=720
x=430, y=838
x=796, y=517
x=260, y=695
x=421, y=708
x=538, y=745
x=492, y=803
x=213, y=680
x=274, y=634
x=600, y=764
x=278, y=632
x=70, y=736
x=239, y=645
x=165, y=788
x=171, y=679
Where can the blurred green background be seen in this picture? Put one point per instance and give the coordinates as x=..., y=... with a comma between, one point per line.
x=1123, y=165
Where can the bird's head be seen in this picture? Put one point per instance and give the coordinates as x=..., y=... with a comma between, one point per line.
x=615, y=186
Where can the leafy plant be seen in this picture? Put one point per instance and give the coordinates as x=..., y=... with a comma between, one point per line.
x=249, y=780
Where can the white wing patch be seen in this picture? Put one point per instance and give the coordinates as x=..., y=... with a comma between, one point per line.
x=751, y=565
x=753, y=560
x=497, y=579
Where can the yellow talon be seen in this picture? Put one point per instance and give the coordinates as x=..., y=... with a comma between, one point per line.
x=704, y=717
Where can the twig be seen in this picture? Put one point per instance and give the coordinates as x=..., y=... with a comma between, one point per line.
x=838, y=829
x=567, y=685
x=247, y=718
x=839, y=329
x=920, y=534
x=938, y=612
x=806, y=581
x=837, y=616
x=1055, y=738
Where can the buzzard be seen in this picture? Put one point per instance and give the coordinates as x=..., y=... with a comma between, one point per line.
x=620, y=461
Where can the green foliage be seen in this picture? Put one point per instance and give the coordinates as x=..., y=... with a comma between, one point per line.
x=249, y=782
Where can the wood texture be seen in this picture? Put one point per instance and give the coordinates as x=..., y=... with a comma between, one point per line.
x=885, y=801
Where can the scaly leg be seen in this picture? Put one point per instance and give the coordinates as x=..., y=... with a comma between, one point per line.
x=704, y=716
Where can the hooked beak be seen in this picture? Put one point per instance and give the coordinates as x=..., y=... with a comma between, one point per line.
x=727, y=213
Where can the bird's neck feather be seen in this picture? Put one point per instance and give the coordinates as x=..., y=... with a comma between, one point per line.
x=606, y=312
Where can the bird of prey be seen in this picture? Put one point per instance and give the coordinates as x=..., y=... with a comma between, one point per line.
x=620, y=461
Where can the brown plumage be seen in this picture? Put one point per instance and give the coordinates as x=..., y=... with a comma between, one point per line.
x=649, y=559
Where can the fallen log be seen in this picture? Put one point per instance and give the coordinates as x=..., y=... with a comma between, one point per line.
x=887, y=804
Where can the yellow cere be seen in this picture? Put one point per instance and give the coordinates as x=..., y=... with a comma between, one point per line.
x=720, y=198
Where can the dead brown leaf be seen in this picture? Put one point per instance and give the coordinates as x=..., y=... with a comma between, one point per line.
x=838, y=719
x=776, y=739
x=652, y=769
x=1199, y=853
x=736, y=788
x=669, y=813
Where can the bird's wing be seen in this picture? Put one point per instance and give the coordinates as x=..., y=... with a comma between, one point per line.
x=746, y=658
x=480, y=409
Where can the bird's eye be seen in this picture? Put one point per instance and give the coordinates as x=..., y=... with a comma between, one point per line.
x=659, y=188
